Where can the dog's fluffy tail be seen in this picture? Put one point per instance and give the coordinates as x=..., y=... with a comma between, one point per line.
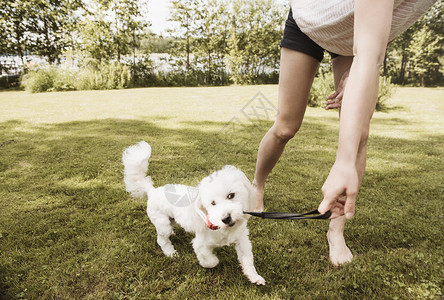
x=135, y=160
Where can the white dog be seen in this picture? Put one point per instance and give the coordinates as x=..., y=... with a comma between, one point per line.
x=213, y=210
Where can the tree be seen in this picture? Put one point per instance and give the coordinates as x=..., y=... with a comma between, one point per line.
x=112, y=28
x=211, y=36
x=127, y=25
x=255, y=33
x=403, y=63
x=39, y=27
x=184, y=14
x=51, y=24
x=425, y=47
x=14, y=15
x=95, y=39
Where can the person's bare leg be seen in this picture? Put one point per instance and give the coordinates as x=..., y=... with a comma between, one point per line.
x=297, y=71
x=371, y=35
x=339, y=252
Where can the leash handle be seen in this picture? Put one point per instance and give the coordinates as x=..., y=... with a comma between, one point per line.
x=314, y=214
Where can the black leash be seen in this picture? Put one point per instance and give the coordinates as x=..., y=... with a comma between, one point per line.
x=290, y=216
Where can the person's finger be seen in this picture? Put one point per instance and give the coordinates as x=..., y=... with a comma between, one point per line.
x=336, y=208
x=349, y=208
x=340, y=96
x=333, y=105
x=332, y=96
x=334, y=215
x=335, y=102
x=336, y=211
x=326, y=204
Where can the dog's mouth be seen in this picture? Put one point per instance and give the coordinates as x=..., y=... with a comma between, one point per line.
x=211, y=225
x=215, y=227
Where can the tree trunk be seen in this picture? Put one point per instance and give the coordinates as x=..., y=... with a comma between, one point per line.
x=117, y=41
x=134, y=50
x=209, y=66
x=402, y=70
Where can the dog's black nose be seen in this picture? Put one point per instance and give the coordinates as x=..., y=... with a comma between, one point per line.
x=227, y=220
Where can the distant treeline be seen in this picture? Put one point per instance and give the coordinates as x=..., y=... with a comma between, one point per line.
x=211, y=42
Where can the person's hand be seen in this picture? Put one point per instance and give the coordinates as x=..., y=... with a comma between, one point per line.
x=340, y=191
x=335, y=99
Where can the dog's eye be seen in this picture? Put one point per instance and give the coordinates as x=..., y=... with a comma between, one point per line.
x=231, y=195
x=213, y=202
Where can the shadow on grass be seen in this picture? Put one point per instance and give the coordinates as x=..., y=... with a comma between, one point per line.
x=68, y=228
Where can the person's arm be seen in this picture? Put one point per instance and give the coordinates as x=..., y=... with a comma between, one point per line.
x=371, y=32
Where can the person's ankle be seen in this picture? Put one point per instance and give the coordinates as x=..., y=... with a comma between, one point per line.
x=258, y=186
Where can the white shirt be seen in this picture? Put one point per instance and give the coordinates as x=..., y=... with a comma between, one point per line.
x=329, y=23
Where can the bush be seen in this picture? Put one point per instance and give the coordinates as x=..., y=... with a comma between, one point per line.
x=48, y=79
x=323, y=86
x=94, y=76
x=143, y=74
x=103, y=76
x=386, y=89
x=9, y=81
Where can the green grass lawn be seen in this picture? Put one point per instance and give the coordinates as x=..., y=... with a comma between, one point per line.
x=68, y=230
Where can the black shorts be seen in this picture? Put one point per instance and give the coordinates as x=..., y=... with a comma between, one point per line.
x=295, y=39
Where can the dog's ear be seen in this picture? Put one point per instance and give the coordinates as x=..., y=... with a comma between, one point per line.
x=198, y=206
x=251, y=204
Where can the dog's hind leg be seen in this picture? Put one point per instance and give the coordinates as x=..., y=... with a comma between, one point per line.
x=164, y=230
x=204, y=253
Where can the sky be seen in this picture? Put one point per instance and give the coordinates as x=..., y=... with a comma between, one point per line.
x=158, y=13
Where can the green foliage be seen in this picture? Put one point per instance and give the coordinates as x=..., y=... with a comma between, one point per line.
x=48, y=79
x=143, y=74
x=153, y=43
x=199, y=47
x=40, y=27
x=112, y=28
x=104, y=76
x=416, y=56
x=255, y=32
x=218, y=42
x=386, y=91
x=212, y=42
x=323, y=86
x=93, y=76
x=96, y=39
x=425, y=47
x=14, y=27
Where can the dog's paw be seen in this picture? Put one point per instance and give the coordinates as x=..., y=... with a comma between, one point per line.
x=339, y=252
x=209, y=262
x=257, y=279
x=172, y=253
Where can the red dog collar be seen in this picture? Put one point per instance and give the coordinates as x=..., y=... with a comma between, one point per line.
x=211, y=225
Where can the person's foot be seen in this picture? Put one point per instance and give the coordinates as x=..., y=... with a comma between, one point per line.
x=259, y=196
x=339, y=252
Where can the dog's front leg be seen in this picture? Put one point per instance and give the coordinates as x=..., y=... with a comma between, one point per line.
x=245, y=255
x=204, y=252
